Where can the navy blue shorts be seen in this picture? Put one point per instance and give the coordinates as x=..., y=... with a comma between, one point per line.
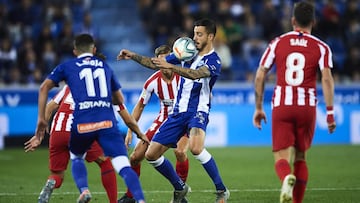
x=110, y=140
x=176, y=125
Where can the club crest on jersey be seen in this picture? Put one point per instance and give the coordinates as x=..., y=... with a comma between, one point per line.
x=200, y=117
x=88, y=61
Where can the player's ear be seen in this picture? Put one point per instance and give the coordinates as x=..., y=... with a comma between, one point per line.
x=293, y=21
x=75, y=52
x=94, y=50
x=211, y=36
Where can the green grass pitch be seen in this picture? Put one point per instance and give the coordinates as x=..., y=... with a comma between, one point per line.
x=334, y=177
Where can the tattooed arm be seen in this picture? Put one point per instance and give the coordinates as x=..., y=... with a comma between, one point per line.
x=201, y=72
x=143, y=60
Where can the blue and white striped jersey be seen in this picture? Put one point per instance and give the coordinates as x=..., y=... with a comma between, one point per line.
x=195, y=95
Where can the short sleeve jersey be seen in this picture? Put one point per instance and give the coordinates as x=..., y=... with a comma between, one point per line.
x=166, y=92
x=63, y=117
x=91, y=82
x=195, y=95
x=297, y=57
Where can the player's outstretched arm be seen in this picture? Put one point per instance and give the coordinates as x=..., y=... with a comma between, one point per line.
x=143, y=60
x=127, y=118
x=327, y=82
x=132, y=124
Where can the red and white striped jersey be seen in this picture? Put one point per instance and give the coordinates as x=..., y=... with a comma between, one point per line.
x=166, y=92
x=297, y=57
x=63, y=117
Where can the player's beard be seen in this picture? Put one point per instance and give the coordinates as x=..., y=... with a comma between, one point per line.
x=200, y=46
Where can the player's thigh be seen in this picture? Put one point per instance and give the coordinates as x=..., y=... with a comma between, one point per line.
x=305, y=129
x=150, y=132
x=183, y=144
x=283, y=129
x=196, y=140
x=155, y=151
x=112, y=142
x=59, y=151
x=94, y=152
x=172, y=129
x=81, y=142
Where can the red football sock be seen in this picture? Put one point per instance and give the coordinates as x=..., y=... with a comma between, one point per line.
x=282, y=169
x=182, y=169
x=108, y=179
x=58, y=180
x=137, y=170
x=301, y=173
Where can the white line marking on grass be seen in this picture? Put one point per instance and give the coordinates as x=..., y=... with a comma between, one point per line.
x=6, y=158
x=200, y=191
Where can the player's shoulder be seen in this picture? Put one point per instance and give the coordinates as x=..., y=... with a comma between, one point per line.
x=152, y=79
x=212, y=57
x=155, y=75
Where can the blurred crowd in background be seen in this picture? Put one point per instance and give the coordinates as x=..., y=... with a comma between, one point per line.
x=37, y=34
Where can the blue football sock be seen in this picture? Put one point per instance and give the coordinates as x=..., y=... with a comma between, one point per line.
x=213, y=172
x=132, y=182
x=167, y=170
x=79, y=174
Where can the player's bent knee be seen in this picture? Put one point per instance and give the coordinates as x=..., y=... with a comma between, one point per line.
x=180, y=155
x=136, y=159
x=151, y=156
x=203, y=157
x=157, y=162
x=197, y=151
x=120, y=162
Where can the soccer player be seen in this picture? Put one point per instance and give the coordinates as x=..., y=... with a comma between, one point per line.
x=163, y=84
x=191, y=110
x=94, y=88
x=297, y=55
x=59, y=155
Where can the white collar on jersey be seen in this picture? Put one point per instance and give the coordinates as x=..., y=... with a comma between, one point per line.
x=84, y=54
x=211, y=51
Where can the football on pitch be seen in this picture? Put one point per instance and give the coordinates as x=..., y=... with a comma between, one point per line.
x=184, y=49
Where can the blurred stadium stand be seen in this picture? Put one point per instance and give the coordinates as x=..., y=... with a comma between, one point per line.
x=27, y=27
x=121, y=28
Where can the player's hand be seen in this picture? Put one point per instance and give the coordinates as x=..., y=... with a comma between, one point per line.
x=32, y=144
x=259, y=115
x=125, y=54
x=143, y=137
x=128, y=139
x=331, y=122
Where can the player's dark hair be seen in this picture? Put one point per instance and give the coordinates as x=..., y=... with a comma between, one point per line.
x=163, y=49
x=304, y=13
x=209, y=25
x=83, y=42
